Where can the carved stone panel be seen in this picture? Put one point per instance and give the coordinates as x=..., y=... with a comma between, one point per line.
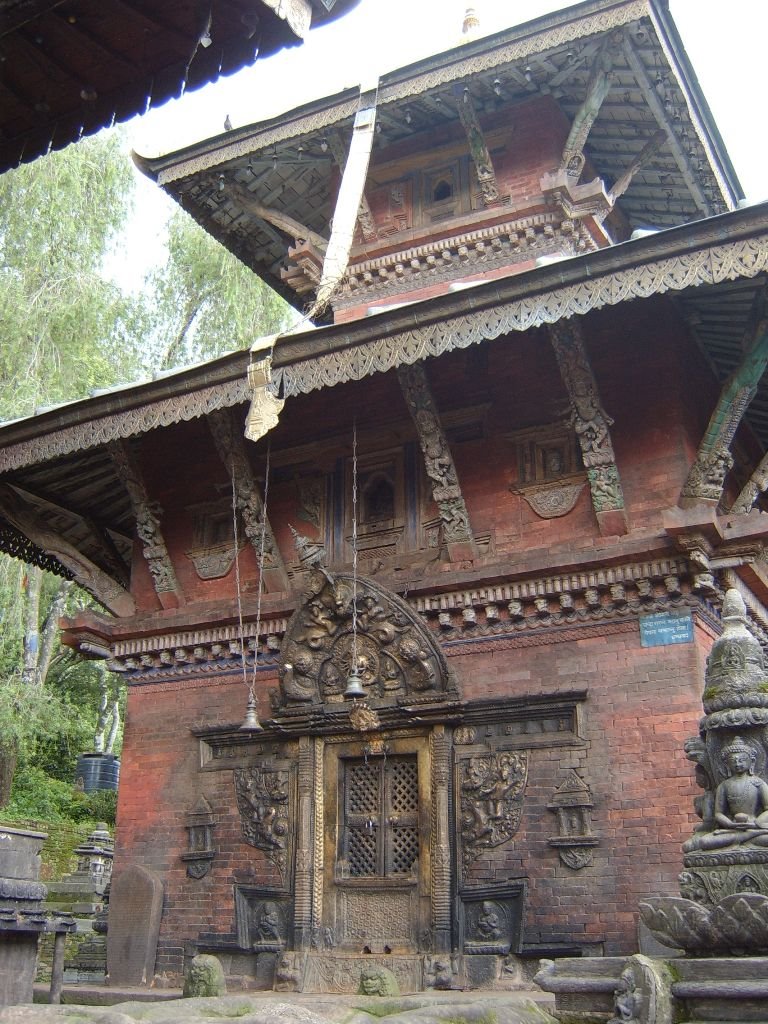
x=263, y=802
x=375, y=919
x=490, y=800
x=263, y=920
x=398, y=658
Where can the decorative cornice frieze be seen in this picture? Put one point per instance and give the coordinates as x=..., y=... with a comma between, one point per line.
x=141, y=420
x=745, y=258
x=534, y=607
x=541, y=234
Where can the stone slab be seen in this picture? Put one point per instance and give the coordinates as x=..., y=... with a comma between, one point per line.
x=135, y=909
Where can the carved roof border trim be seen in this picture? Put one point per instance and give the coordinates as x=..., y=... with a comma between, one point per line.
x=537, y=42
x=256, y=137
x=740, y=259
x=121, y=425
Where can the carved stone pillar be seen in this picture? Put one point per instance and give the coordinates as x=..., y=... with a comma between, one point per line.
x=441, y=851
x=713, y=459
x=591, y=424
x=148, y=515
x=303, y=898
x=229, y=444
x=438, y=462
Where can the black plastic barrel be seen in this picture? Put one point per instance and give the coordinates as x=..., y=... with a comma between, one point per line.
x=97, y=771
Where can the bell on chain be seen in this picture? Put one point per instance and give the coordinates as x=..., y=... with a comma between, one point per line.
x=354, y=684
x=251, y=721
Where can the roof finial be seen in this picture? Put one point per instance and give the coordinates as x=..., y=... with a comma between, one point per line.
x=471, y=27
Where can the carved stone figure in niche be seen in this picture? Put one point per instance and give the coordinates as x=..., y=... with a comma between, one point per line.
x=741, y=803
x=491, y=795
x=262, y=799
x=488, y=924
x=268, y=923
x=438, y=973
x=627, y=999
x=397, y=656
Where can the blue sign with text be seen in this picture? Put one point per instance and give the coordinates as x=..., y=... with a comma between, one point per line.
x=666, y=628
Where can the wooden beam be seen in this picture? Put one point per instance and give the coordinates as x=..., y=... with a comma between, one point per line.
x=681, y=159
x=478, y=148
x=106, y=590
x=364, y=214
x=282, y=221
x=98, y=530
x=456, y=529
x=148, y=515
x=592, y=425
x=598, y=86
x=228, y=438
x=713, y=460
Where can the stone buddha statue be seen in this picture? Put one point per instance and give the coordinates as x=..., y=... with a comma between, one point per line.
x=741, y=804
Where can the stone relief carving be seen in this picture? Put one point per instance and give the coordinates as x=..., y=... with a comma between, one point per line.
x=397, y=656
x=438, y=460
x=441, y=972
x=572, y=803
x=491, y=788
x=289, y=972
x=200, y=851
x=270, y=929
x=550, y=501
x=487, y=928
x=262, y=799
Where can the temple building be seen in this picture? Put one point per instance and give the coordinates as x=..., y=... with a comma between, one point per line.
x=413, y=603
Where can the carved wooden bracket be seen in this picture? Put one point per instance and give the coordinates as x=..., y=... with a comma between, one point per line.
x=148, y=515
x=591, y=423
x=713, y=459
x=438, y=462
x=282, y=221
x=478, y=149
x=229, y=444
x=85, y=573
x=598, y=87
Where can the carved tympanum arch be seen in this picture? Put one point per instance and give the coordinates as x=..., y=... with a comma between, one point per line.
x=400, y=660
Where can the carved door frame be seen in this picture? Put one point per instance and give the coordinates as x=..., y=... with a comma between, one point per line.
x=338, y=892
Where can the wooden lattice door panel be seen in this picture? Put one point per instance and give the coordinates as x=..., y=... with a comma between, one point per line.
x=380, y=835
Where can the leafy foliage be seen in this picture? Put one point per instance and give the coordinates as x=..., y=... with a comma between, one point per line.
x=66, y=329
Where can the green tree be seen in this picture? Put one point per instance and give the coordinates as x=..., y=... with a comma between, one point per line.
x=65, y=329
x=204, y=301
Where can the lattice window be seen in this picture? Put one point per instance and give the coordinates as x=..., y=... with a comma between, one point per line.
x=380, y=834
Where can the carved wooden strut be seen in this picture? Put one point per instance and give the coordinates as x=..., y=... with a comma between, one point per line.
x=229, y=444
x=438, y=462
x=148, y=515
x=591, y=423
x=478, y=149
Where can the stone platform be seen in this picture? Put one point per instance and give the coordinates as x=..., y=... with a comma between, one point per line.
x=297, y=1008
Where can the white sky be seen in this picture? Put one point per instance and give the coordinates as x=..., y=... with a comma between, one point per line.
x=726, y=44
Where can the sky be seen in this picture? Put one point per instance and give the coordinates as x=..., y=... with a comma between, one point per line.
x=725, y=43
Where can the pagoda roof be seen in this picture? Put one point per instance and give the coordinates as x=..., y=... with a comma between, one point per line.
x=59, y=462
x=71, y=69
x=285, y=162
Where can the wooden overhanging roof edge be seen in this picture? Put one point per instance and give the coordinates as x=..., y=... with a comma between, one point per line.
x=578, y=21
x=676, y=259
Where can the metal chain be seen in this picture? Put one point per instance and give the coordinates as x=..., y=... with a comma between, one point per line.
x=261, y=565
x=354, y=544
x=237, y=575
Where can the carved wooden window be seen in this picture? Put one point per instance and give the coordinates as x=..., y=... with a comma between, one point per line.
x=380, y=834
x=378, y=498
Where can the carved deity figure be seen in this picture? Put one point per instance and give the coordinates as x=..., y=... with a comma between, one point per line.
x=488, y=924
x=287, y=974
x=204, y=977
x=627, y=999
x=741, y=803
x=268, y=923
x=295, y=680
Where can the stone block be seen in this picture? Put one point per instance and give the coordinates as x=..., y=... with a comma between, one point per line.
x=135, y=909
